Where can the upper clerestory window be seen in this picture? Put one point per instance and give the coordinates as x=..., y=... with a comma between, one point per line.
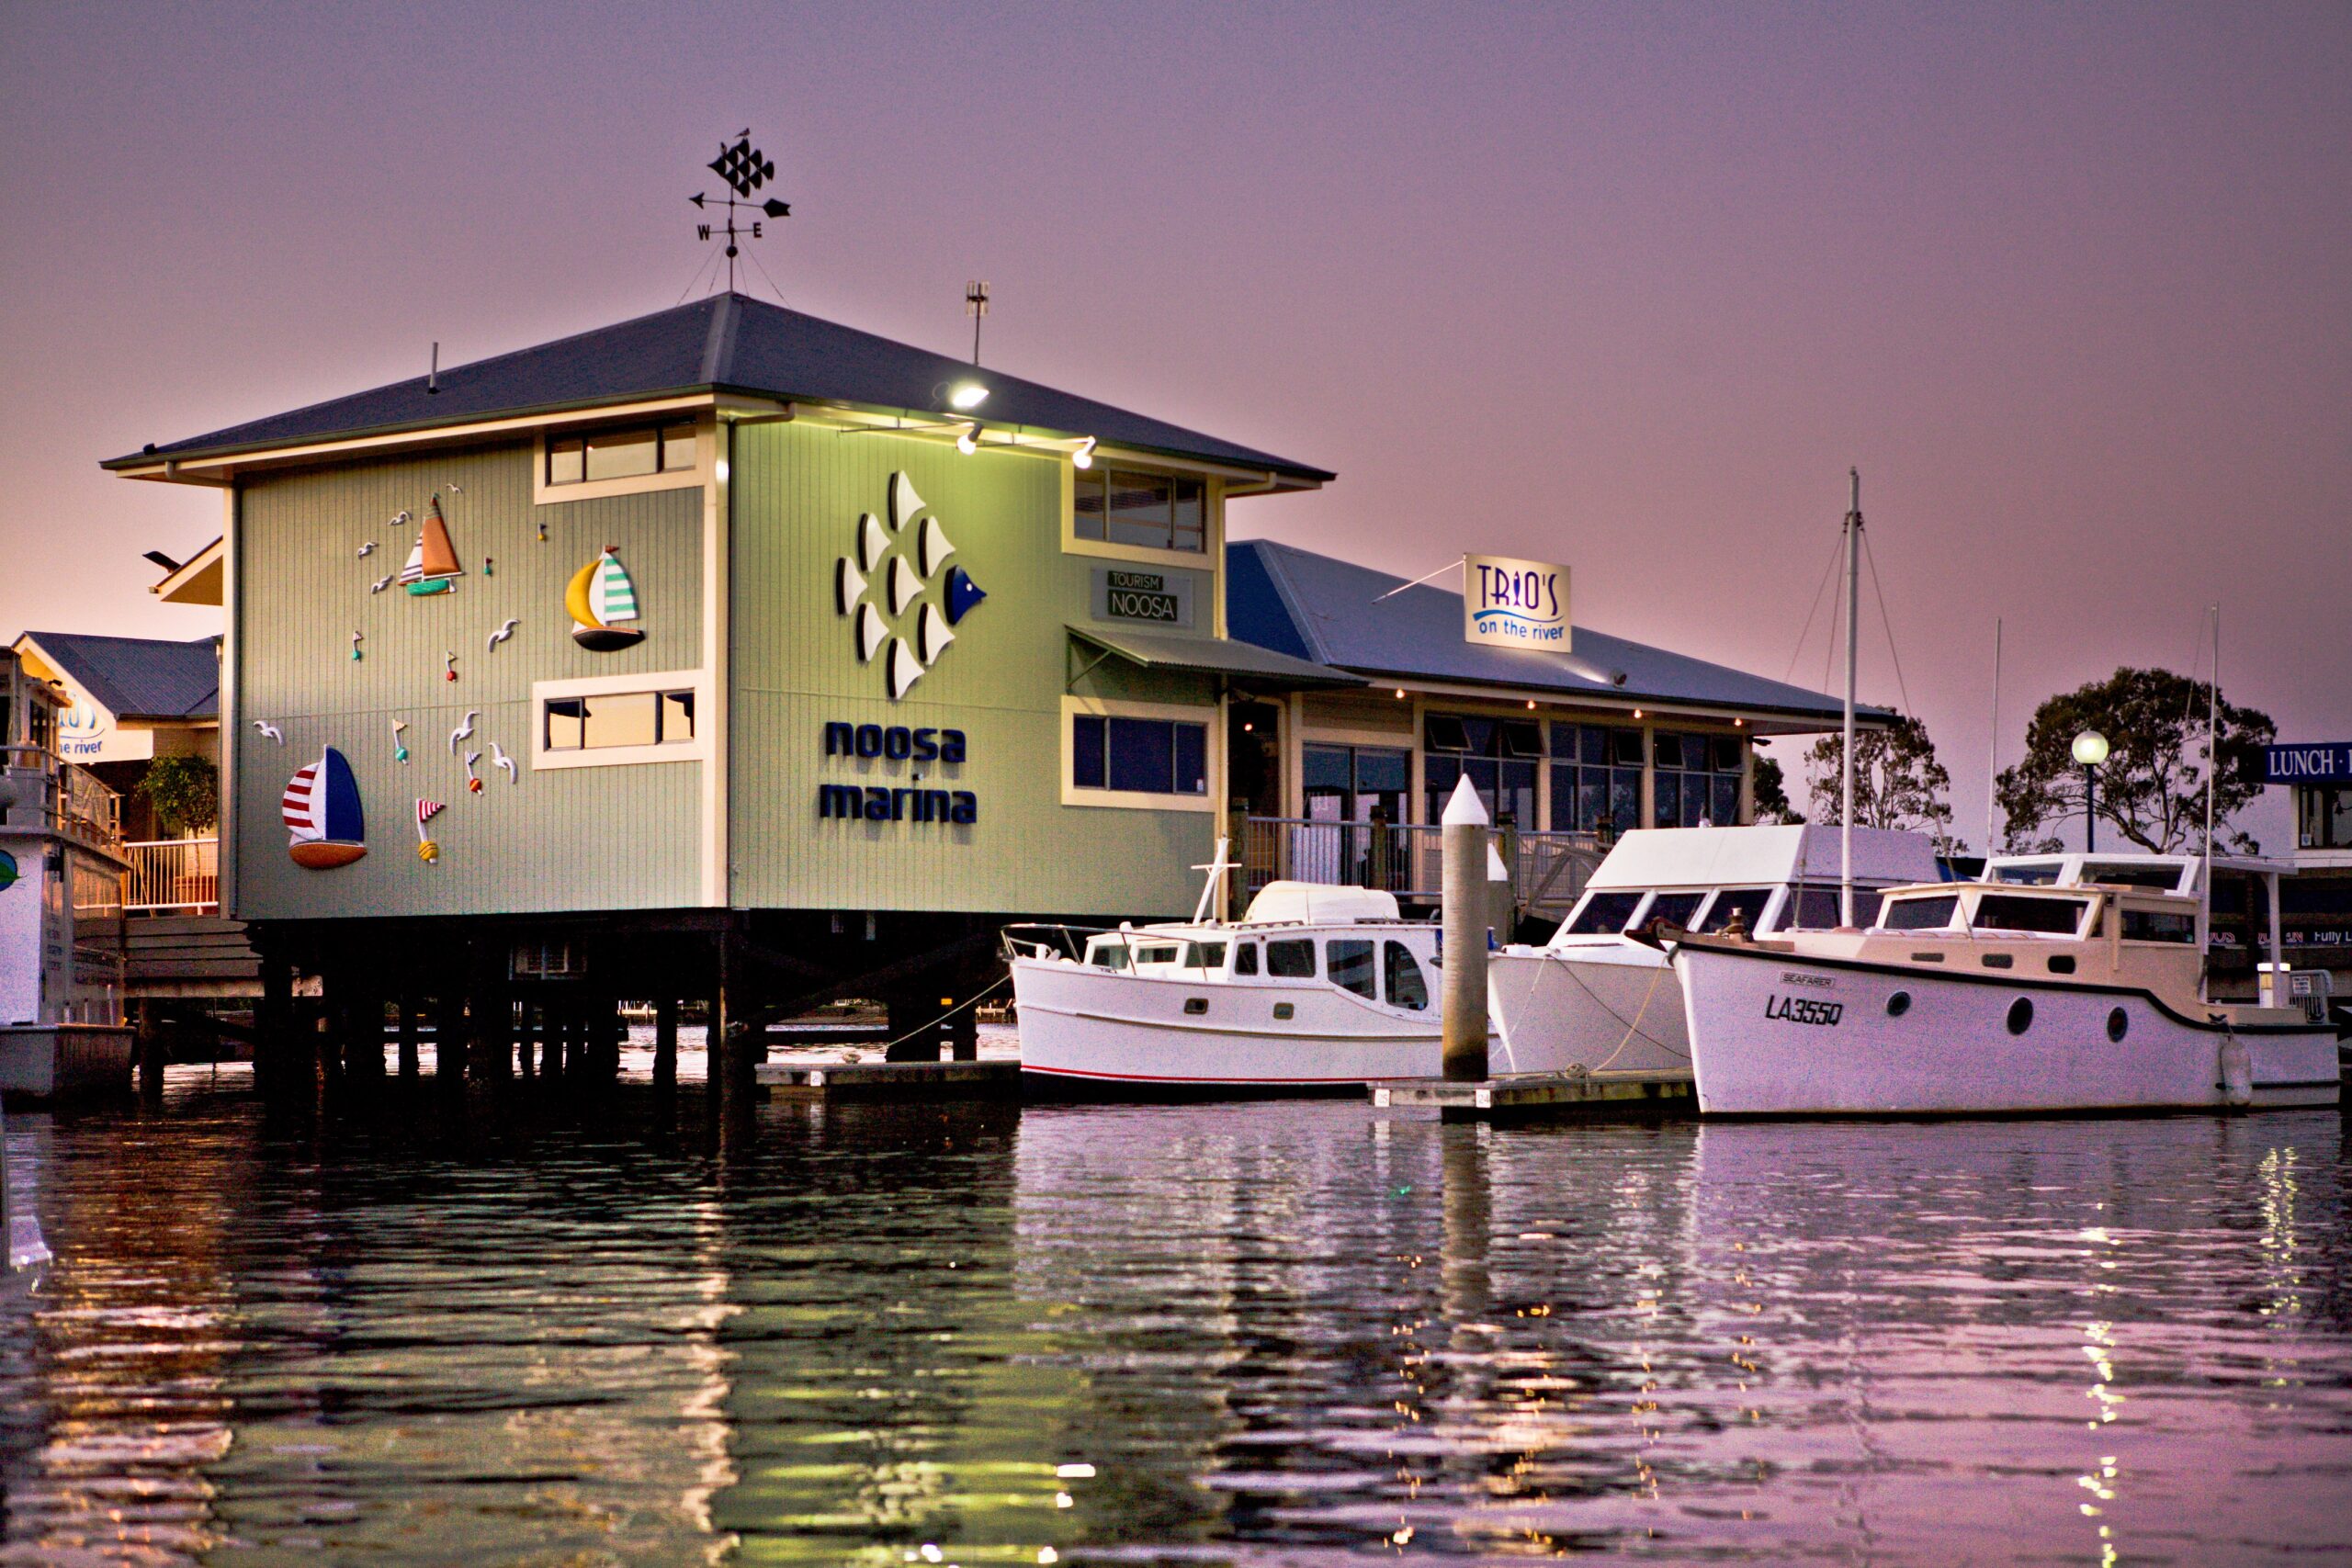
x=625, y=454
x=1157, y=511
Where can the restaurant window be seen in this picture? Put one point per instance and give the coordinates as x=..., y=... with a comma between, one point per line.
x=1697, y=779
x=629, y=453
x=1159, y=512
x=618, y=718
x=1140, y=756
x=1355, y=809
x=1596, y=779
x=2324, y=817
x=1500, y=757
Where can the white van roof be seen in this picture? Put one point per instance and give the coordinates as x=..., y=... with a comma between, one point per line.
x=1727, y=857
x=1316, y=901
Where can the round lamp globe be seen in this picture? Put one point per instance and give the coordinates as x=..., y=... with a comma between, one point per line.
x=2090, y=748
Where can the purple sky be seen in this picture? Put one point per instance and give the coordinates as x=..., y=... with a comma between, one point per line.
x=1624, y=286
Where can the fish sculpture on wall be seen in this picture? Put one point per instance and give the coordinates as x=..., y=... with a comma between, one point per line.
x=602, y=600
x=320, y=807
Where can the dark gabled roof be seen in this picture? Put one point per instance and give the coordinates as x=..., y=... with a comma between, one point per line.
x=134, y=677
x=725, y=344
x=1313, y=607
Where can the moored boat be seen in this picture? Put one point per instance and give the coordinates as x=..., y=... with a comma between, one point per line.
x=2011, y=995
x=1594, y=999
x=1315, y=990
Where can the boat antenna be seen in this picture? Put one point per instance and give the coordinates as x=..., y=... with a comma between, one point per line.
x=1846, y=780
x=1215, y=883
x=1993, y=766
x=976, y=305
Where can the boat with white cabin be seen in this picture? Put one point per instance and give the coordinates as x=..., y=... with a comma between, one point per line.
x=1316, y=989
x=1593, y=999
x=2058, y=983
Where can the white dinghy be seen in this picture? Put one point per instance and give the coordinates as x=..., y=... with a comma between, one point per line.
x=1593, y=999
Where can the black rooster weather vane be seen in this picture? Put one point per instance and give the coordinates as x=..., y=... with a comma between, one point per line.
x=745, y=169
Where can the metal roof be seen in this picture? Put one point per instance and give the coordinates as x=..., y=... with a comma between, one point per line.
x=133, y=677
x=728, y=342
x=1213, y=656
x=1312, y=606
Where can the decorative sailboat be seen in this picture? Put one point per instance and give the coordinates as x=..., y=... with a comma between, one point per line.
x=322, y=811
x=601, y=598
x=433, y=562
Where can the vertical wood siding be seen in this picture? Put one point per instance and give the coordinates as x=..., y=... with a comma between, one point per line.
x=798, y=495
x=568, y=840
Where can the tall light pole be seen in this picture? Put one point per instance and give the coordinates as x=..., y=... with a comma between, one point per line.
x=2090, y=750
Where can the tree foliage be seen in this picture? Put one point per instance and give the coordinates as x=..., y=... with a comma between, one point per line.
x=1898, y=783
x=2152, y=787
x=1772, y=793
x=185, y=792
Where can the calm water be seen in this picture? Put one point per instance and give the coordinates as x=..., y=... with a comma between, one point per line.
x=1292, y=1334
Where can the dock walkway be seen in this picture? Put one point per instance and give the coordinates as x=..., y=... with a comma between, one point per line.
x=1526, y=1097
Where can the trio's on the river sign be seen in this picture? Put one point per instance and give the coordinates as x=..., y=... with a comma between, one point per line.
x=1515, y=604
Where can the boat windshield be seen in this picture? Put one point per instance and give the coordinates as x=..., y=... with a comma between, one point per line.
x=1746, y=903
x=1402, y=976
x=2031, y=874
x=2158, y=925
x=2017, y=912
x=1818, y=908
x=1673, y=909
x=2163, y=878
x=1604, y=913
x=1931, y=913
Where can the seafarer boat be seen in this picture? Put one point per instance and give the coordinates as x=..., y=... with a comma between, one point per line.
x=1594, y=999
x=432, y=565
x=601, y=599
x=1315, y=990
x=320, y=807
x=2055, y=984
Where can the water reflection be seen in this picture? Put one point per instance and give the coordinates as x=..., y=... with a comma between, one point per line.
x=1291, y=1333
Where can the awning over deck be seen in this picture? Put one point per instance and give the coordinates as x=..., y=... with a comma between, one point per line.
x=1213, y=656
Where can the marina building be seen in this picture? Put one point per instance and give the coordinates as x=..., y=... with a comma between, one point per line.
x=2315, y=907
x=728, y=649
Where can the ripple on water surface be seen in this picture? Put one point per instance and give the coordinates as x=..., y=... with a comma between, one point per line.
x=1289, y=1334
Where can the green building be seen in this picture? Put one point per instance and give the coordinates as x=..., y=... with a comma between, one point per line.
x=722, y=640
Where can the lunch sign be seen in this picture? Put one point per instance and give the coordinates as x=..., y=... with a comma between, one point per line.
x=1508, y=602
x=2323, y=762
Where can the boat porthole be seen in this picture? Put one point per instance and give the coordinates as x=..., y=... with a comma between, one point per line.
x=2020, y=1016
x=1283, y=1009
x=1898, y=1004
x=2118, y=1025
x=1197, y=1006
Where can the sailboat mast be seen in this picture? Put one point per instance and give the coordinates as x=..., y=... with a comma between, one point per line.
x=1845, y=782
x=1993, y=766
x=2212, y=771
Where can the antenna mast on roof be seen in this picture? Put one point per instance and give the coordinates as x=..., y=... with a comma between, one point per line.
x=976, y=305
x=745, y=169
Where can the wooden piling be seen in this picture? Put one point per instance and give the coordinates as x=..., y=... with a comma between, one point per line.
x=665, y=1046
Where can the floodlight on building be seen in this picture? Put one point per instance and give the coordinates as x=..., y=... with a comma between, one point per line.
x=969, y=442
x=1084, y=457
x=965, y=396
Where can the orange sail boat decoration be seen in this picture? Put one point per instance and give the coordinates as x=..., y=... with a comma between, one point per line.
x=432, y=564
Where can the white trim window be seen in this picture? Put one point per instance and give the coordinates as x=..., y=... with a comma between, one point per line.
x=1136, y=515
x=608, y=720
x=621, y=459
x=1139, y=756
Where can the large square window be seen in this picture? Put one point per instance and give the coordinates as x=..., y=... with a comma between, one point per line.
x=1159, y=512
x=1138, y=756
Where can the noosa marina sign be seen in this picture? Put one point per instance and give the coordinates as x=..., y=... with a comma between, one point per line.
x=910, y=802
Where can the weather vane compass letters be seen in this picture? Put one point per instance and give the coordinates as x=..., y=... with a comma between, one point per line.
x=745, y=169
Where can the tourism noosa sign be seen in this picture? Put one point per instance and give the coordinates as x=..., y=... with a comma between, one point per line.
x=1515, y=604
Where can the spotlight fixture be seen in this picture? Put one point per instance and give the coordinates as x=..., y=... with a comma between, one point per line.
x=1637, y=713
x=1400, y=690
x=1084, y=457
x=965, y=396
x=969, y=442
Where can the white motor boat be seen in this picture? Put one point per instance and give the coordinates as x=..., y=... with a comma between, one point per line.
x=1316, y=989
x=2057, y=983
x=1593, y=999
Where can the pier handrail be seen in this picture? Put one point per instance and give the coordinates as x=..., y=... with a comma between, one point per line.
x=172, y=875
x=64, y=797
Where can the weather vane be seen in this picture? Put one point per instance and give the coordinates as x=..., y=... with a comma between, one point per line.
x=745, y=169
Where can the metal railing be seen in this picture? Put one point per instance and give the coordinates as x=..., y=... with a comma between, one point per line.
x=1548, y=871
x=178, y=876
x=41, y=789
